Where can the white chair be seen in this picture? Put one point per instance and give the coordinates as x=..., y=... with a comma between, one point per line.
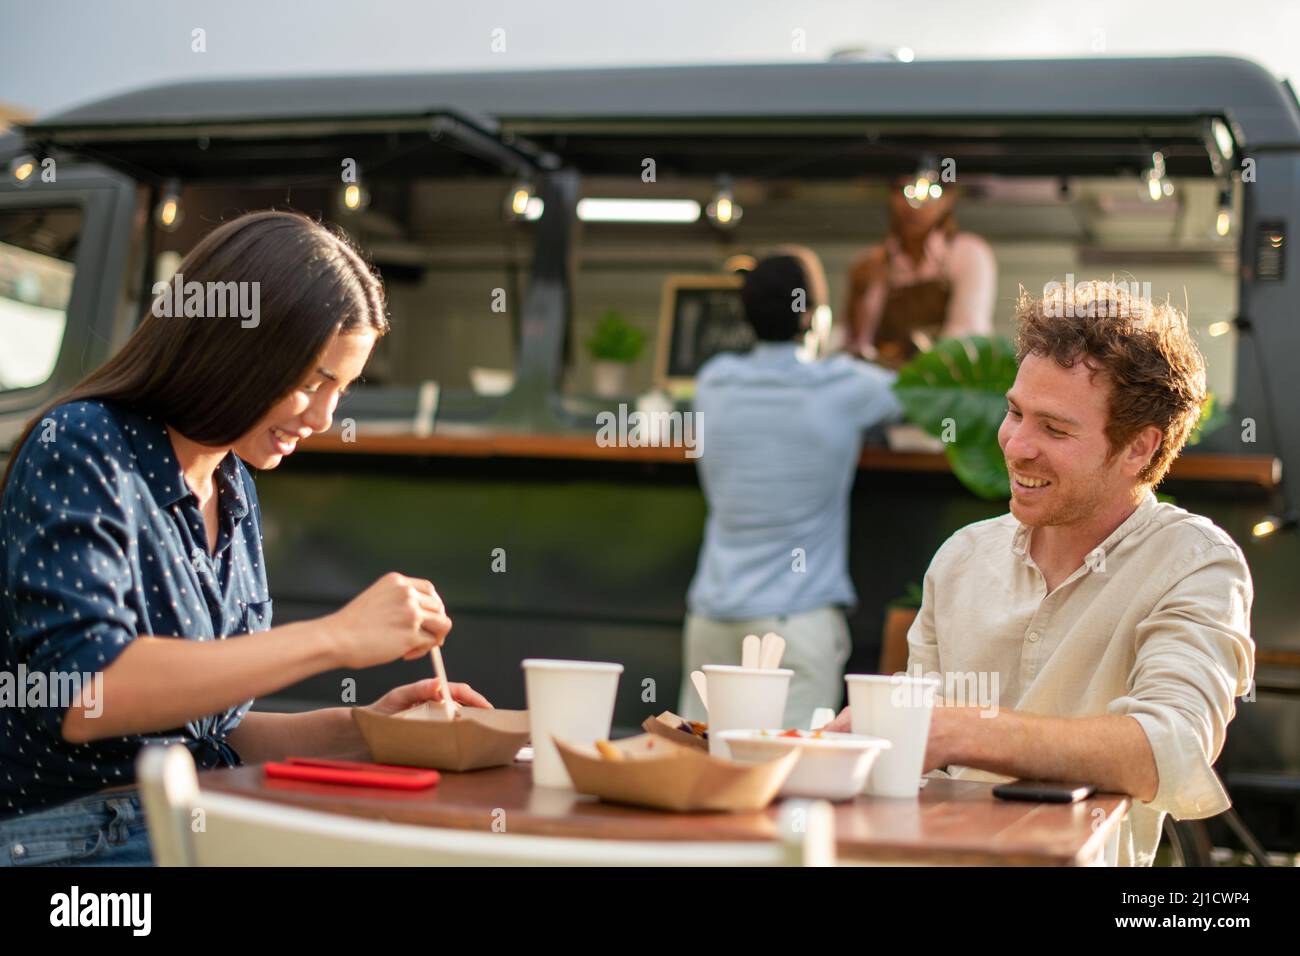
x=188, y=827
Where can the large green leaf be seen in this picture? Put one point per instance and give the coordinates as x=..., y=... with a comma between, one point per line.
x=1212, y=418
x=956, y=392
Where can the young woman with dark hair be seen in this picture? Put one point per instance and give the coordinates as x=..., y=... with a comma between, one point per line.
x=131, y=547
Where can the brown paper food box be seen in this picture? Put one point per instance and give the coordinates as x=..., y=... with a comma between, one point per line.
x=424, y=737
x=667, y=776
x=666, y=725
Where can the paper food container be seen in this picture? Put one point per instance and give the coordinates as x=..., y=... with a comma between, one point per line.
x=667, y=776
x=668, y=726
x=424, y=737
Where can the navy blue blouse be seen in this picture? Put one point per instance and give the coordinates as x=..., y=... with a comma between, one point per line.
x=101, y=540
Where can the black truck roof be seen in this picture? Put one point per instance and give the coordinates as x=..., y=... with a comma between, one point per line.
x=1262, y=110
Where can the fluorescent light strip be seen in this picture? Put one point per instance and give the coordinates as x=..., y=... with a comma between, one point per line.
x=638, y=210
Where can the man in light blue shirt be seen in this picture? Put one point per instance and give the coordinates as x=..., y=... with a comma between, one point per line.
x=784, y=434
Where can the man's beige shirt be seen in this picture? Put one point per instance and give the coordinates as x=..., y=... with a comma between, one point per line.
x=1155, y=625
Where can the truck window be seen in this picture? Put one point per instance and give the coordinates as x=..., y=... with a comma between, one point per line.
x=37, y=254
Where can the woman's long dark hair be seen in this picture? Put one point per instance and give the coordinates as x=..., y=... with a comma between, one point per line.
x=212, y=379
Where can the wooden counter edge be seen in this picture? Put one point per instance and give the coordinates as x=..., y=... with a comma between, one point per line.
x=1262, y=470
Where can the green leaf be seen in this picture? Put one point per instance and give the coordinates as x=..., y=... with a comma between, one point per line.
x=956, y=392
x=910, y=599
x=1212, y=417
x=615, y=339
x=981, y=468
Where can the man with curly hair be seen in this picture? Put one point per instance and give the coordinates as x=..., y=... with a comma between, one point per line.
x=1118, y=626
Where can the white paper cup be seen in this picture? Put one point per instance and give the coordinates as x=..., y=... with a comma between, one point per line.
x=572, y=700
x=744, y=698
x=897, y=708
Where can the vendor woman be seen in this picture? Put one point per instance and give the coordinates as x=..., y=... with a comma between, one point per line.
x=926, y=281
x=131, y=549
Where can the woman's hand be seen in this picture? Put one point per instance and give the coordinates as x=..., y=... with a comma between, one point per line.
x=842, y=724
x=409, y=695
x=395, y=617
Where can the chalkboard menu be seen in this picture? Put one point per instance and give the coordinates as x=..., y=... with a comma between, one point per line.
x=700, y=317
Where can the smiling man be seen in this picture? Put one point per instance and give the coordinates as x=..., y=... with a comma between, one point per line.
x=1118, y=626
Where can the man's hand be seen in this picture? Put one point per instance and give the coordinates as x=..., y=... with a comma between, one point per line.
x=1110, y=751
x=409, y=695
x=947, y=727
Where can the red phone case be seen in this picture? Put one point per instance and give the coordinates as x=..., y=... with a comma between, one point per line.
x=353, y=773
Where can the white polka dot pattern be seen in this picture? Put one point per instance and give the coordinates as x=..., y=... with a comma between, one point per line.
x=101, y=541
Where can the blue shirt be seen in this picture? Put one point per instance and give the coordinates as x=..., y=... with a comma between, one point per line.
x=101, y=541
x=781, y=441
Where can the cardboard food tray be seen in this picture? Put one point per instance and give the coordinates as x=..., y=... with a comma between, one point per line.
x=424, y=737
x=667, y=776
x=666, y=726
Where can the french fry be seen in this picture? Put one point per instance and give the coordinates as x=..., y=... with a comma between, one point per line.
x=609, y=751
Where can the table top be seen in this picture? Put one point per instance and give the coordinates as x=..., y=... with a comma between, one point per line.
x=952, y=822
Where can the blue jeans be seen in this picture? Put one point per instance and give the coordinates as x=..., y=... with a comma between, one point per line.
x=103, y=829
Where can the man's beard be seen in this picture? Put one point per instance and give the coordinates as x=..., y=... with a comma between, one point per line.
x=1068, y=507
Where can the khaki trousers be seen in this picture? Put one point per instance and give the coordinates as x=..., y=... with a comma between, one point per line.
x=817, y=648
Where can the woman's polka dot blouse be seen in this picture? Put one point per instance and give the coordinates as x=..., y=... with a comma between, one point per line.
x=101, y=540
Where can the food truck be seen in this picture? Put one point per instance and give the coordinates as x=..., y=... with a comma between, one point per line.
x=514, y=215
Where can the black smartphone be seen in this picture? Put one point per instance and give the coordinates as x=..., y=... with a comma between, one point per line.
x=1044, y=791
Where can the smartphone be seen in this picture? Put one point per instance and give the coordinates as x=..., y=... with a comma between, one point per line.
x=1044, y=791
x=352, y=773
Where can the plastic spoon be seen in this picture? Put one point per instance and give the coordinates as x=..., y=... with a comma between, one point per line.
x=701, y=687
x=750, y=650
x=821, y=717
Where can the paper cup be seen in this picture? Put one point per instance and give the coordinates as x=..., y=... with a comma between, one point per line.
x=898, y=709
x=744, y=698
x=572, y=700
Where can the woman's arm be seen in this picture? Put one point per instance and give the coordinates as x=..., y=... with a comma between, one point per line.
x=331, y=732
x=159, y=683
x=973, y=270
x=865, y=270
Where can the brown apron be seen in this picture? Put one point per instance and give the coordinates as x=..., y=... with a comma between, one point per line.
x=911, y=320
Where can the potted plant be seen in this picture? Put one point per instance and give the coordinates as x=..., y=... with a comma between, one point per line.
x=899, y=615
x=614, y=346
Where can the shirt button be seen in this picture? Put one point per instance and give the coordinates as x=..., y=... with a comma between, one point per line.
x=1033, y=636
x=19, y=850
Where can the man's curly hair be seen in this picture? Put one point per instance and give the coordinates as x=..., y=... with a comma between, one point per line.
x=1145, y=349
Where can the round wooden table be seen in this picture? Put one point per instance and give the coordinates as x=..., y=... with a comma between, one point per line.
x=952, y=822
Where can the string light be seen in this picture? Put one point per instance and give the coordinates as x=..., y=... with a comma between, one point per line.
x=723, y=210
x=924, y=186
x=169, y=214
x=1158, y=186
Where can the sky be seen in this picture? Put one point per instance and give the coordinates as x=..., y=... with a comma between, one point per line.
x=59, y=53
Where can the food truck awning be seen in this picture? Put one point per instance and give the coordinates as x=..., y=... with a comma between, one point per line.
x=1063, y=116
x=438, y=142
